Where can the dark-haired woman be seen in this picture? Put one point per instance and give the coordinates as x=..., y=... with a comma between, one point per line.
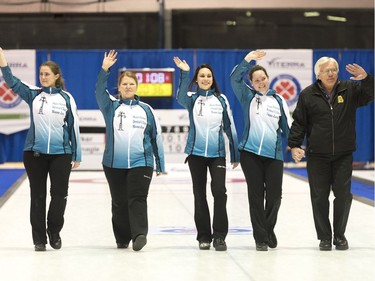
x=209, y=116
x=267, y=118
x=52, y=148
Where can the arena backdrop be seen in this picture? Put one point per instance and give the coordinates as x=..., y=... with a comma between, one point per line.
x=290, y=71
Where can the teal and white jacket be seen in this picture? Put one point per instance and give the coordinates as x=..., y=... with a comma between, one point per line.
x=54, y=125
x=266, y=117
x=133, y=133
x=209, y=116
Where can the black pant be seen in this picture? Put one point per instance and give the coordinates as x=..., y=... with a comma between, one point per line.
x=198, y=169
x=129, y=191
x=326, y=172
x=264, y=178
x=38, y=167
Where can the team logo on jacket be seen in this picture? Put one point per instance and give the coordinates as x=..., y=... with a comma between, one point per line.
x=121, y=115
x=8, y=99
x=43, y=100
x=287, y=86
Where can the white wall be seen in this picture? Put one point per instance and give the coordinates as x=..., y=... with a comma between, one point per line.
x=81, y=6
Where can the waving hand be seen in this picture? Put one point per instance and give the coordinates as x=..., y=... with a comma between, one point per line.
x=109, y=59
x=357, y=71
x=182, y=64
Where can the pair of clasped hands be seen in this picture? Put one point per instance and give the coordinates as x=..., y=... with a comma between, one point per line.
x=298, y=154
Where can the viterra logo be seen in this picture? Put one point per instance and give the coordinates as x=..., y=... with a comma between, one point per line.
x=8, y=99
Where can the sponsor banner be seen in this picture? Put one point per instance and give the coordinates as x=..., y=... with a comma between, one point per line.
x=92, y=134
x=14, y=112
x=91, y=118
x=175, y=127
x=290, y=71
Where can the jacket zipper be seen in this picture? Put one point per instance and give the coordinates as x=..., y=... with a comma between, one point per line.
x=333, y=130
x=129, y=139
x=328, y=99
x=207, y=130
x=49, y=127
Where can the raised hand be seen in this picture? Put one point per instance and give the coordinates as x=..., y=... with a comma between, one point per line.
x=255, y=55
x=357, y=71
x=3, y=61
x=182, y=64
x=109, y=59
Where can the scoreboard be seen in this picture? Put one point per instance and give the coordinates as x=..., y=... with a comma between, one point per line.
x=153, y=82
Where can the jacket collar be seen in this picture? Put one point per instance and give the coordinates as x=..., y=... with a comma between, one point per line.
x=134, y=101
x=205, y=93
x=270, y=92
x=334, y=90
x=51, y=90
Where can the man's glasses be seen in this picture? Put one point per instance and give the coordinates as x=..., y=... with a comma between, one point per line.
x=327, y=71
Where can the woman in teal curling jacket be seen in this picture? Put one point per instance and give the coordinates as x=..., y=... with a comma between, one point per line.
x=267, y=119
x=52, y=148
x=209, y=115
x=133, y=146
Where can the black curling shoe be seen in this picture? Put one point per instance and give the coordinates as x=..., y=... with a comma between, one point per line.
x=204, y=245
x=40, y=247
x=139, y=242
x=122, y=245
x=261, y=246
x=54, y=240
x=341, y=243
x=325, y=245
x=219, y=244
x=272, y=240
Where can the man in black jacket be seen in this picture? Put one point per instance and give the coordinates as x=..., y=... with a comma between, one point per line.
x=326, y=115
